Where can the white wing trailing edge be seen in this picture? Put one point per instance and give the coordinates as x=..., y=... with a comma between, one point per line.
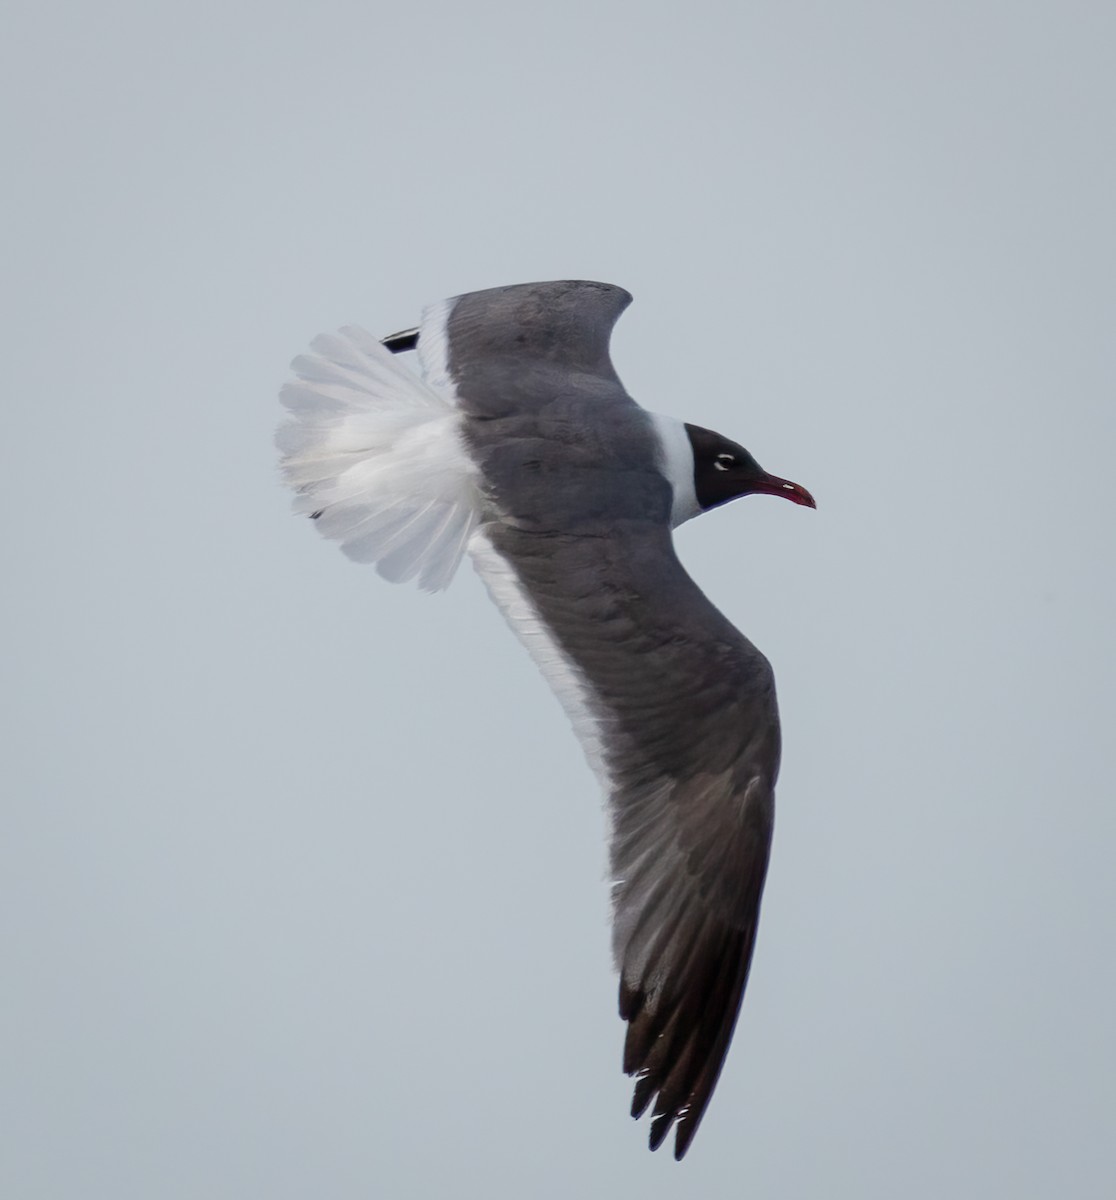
x=375, y=457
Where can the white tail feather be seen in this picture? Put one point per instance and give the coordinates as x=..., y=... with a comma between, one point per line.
x=375, y=456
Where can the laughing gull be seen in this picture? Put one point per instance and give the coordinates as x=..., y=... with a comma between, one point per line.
x=520, y=445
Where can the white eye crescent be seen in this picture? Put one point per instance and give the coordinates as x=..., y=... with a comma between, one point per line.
x=723, y=461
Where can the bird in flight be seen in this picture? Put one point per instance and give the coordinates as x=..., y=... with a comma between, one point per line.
x=520, y=447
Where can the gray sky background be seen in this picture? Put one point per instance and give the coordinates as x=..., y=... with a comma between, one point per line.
x=302, y=873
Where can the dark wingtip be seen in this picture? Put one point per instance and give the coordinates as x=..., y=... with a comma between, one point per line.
x=660, y=1127
x=684, y=1132
x=643, y=1095
x=397, y=343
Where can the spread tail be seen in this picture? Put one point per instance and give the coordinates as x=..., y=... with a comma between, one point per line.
x=375, y=458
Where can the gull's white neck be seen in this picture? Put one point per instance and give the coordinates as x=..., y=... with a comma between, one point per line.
x=677, y=464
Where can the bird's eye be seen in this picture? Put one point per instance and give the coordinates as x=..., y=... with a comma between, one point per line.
x=723, y=461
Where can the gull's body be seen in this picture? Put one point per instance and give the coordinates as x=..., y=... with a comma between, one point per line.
x=521, y=447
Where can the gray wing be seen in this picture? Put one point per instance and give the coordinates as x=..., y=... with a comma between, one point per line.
x=677, y=713
x=675, y=708
x=509, y=348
